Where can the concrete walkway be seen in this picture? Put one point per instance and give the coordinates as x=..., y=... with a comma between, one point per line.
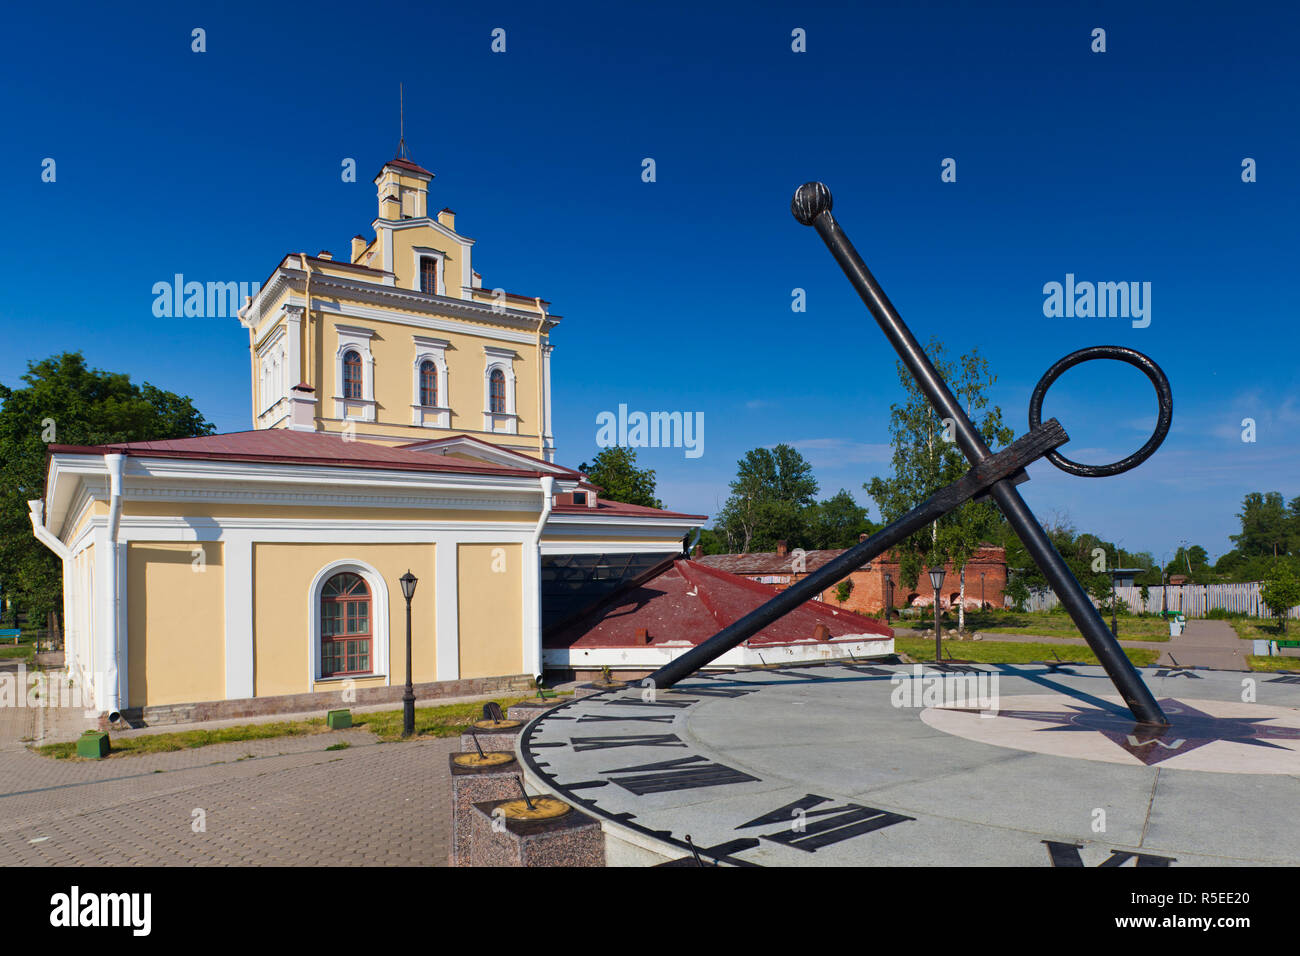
x=1208, y=644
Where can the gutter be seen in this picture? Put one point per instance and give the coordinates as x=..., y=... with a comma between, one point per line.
x=36, y=511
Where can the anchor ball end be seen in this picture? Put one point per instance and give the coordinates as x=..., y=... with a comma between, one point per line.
x=810, y=201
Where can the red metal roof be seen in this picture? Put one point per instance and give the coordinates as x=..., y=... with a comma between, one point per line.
x=281, y=445
x=687, y=603
x=616, y=508
x=407, y=164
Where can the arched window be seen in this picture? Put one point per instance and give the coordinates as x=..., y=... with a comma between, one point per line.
x=345, y=626
x=351, y=374
x=429, y=275
x=497, y=392
x=428, y=384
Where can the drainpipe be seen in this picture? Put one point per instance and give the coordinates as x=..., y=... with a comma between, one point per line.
x=111, y=699
x=541, y=371
x=308, y=360
x=548, y=491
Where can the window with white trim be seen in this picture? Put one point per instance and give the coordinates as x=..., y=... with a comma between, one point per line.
x=499, y=391
x=430, y=402
x=349, y=622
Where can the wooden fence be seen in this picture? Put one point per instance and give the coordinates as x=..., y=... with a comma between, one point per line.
x=1193, y=600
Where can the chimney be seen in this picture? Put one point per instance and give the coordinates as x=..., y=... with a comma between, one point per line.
x=696, y=552
x=447, y=218
x=780, y=549
x=324, y=254
x=821, y=633
x=642, y=636
x=358, y=246
x=862, y=537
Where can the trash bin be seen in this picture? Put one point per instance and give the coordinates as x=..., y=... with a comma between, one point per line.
x=1176, y=625
x=1261, y=648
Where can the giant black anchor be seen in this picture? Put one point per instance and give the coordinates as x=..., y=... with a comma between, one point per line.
x=991, y=475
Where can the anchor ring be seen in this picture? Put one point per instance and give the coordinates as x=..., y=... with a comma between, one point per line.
x=1121, y=354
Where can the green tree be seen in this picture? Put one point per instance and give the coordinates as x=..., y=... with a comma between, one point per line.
x=65, y=402
x=926, y=457
x=769, y=500
x=836, y=522
x=1267, y=527
x=1281, y=591
x=615, y=471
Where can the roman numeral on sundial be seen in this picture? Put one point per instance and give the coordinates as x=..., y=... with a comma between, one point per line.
x=645, y=718
x=659, y=702
x=1288, y=679
x=1067, y=854
x=720, y=691
x=1166, y=672
x=581, y=744
x=835, y=825
x=687, y=773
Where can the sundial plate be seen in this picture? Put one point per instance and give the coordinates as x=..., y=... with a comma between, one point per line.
x=822, y=766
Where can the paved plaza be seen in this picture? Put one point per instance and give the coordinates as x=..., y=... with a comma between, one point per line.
x=285, y=801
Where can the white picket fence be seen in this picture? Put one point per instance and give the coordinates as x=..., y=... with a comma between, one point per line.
x=1193, y=600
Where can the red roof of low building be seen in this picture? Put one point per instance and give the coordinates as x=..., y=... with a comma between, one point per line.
x=284, y=446
x=615, y=508
x=686, y=603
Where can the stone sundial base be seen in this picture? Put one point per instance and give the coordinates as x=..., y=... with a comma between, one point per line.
x=904, y=765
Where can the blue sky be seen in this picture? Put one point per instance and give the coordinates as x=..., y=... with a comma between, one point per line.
x=1115, y=166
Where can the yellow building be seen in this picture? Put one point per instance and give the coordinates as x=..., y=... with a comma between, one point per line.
x=401, y=422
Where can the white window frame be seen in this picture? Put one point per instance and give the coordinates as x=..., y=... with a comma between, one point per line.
x=356, y=409
x=506, y=422
x=272, y=362
x=430, y=416
x=424, y=252
x=379, y=636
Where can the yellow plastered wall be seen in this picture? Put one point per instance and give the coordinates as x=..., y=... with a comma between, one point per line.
x=491, y=609
x=282, y=580
x=394, y=352
x=176, y=622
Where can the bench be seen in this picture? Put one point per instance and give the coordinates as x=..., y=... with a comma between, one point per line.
x=14, y=632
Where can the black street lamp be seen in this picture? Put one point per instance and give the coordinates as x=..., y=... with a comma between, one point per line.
x=936, y=581
x=889, y=597
x=981, y=590
x=408, y=581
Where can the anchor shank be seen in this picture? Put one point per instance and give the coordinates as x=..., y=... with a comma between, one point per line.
x=1085, y=616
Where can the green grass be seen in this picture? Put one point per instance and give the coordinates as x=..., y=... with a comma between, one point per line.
x=192, y=739
x=24, y=651
x=1012, y=652
x=448, y=720
x=1055, y=624
x=1259, y=663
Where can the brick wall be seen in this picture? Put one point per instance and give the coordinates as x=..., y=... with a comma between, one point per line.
x=868, y=595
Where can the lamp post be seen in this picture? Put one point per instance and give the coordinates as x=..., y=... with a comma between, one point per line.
x=981, y=590
x=889, y=597
x=936, y=580
x=408, y=582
